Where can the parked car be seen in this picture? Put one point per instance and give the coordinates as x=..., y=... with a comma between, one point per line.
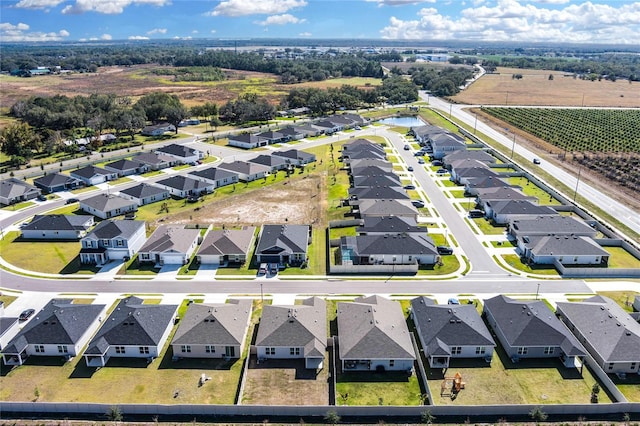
x=193, y=198
x=536, y=161
x=476, y=213
x=409, y=187
x=358, y=128
x=130, y=216
x=407, y=147
x=418, y=203
x=436, y=163
x=262, y=270
x=42, y=197
x=410, y=168
x=273, y=269
x=418, y=153
x=444, y=250
x=453, y=301
x=72, y=200
x=420, y=160
x=26, y=314
x=442, y=171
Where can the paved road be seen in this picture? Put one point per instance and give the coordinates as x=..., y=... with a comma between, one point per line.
x=623, y=213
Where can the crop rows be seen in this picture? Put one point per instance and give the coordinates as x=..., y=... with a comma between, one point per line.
x=578, y=130
x=624, y=169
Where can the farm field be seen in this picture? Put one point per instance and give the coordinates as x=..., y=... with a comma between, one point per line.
x=535, y=88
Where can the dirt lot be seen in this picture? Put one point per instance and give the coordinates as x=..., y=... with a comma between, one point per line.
x=535, y=88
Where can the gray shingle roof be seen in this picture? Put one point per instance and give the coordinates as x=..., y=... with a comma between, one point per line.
x=283, y=238
x=522, y=207
x=107, y=202
x=608, y=328
x=381, y=180
x=90, y=171
x=55, y=179
x=387, y=208
x=399, y=244
x=214, y=173
x=295, y=325
x=531, y=323
x=109, y=229
x=214, y=323
x=382, y=164
x=132, y=323
x=178, y=150
x=59, y=222
x=557, y=225
x=168, y=238
x=59, y=322
x=143, y=190
x=564, y=245
x=12, y=188
x=269, y=160
x=244, y=167
x=183, y=183
x=295, y=154
x=373, y=328
x=247, y=138
x=379, y=192
x=227, y=242
x=443, y=326
x=371, y=170
x=390, y=225
x=472, y=154
x=124, y=164
x=153, y=158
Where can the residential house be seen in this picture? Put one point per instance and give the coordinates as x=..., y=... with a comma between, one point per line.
x=309, y=130
x=564, y=249
x=292, y=133
x=182, y=154
x=371, y=171
x=329, y=127
x=106, y=206
x=388, y=249
x=504, y=211
x=341, y=120
x=14, y=191
x=226, y=246
x=273, y=137
x=365, y=162
x=424, y=133
x=357, y=119
x=55, y=182
x=362, y=144
x=112, y=240
x=57, y=227
x=143, y=194
x=213, y=330
x=373, y=336
x=8, y=327
x=369, y=154
x=294, y=332
x=636, y=303
x=463, y=175
x=296, y=157
x=529, y=329
x=247, y=172
x=216, y=176
x=469, y=154
x=283, y=244
x=549, y=225
x=488, y=196
x=608, y=332
x=376, y=192
x=446, y=143
x=389, y=225
x=158, y=129
x=274, y=162
x=450, y=332
x=373, y=207
x=133, y=330
x=169, y=245
x=183, y=186
x=92, y=175
x=247, y=141
x=474, y=185
x=390, y=179
x=155, y=161
x=60, y=329
x=126, y=167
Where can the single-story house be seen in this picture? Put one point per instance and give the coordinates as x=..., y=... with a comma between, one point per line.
x=14, y=191
x=296, y=157
x=308, y=130
x=389, y=225
x=57, y=227
x=423, y=133
x=169, y=245
x=292, y=133
x=226, y=246
x=504, y=211
x=183, y=186
x=144, y=193
x=92, y=175
x=476, y=184
x=106, y=206
x=216, y=176
x=529, y=329
x=606, y=330
x=446, y=143
x=294, y=332
x=247, y=172
x=133, y=330
x=329, y=127
x=213, y=330
x=450, y=331
x=549, y=225
x=565, y=249
x=283, y=244
x=112, y=240
x=155, y=161
x=8, y=327
x=365, y=162
x=395, y=249
x=360, y=144
x=377, y=193
x=469, y=154
x=461, y=175
x=488, y=196
x=373, y=336
x=274, y=162
x=182, y=154
x=247, y=141
x=273, y=137
x=126, y=167
x=158, y=129
x=357, y=119
x=370, y=154
x=357, y=171
x=372, y=207
x=390, y=179
x=55, y=182
x=60, y=329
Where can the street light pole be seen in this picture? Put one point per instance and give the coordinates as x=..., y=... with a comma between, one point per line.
x=575, y=192
x=514, y=145
x=537, y=291
x=475, y=124
x=450, y=108
x=261, y=295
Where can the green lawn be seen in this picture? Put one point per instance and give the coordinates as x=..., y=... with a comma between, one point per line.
x=372, y=388
x=335, y=233
x=119, y=181
x=529, y=188
x=514, y=261
x=487, y=228
x=151, y=173
x=19, y=206
x=83, y=189
x=620, y=258
x=630, y=386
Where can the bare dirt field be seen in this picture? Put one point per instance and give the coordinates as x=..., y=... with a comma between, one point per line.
x=535, y=88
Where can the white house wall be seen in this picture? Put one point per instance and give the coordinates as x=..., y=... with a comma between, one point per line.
x=53, y=235
x=281, y=352
x=199, y=351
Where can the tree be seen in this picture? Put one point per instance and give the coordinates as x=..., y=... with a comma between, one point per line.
x=550, y=77
x=332, y=417
x=18, y=140
x=114, y=413
x=175, y=114
x=538, y=415
x=427, y=417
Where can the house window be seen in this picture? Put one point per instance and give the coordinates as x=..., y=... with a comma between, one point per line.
x=144, y=350
x=105, y=243
x=456, y=350
x=144, y=256
x=480, y=350
x=185, y=348
x=611, y=366
x=294, y=351
x=548, y=350
x=120, y=349
x=392, y=362
x=63, y=349
x=120, y=243
x=210, y=349
x=270, y=351
x=522, y=350
x=39, y=349
x=633, y=366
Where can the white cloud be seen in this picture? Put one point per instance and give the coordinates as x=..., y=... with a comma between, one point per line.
x=213, y=31
x=305, y=34
x=38, y=4
x=110, y=7
x=195, y=32
x=255, y=7
x=398, y=2
x=138, y=38
x=157, y=31
x=281, y=20
x=511, y=20
x=105, y=37
x=10, y=32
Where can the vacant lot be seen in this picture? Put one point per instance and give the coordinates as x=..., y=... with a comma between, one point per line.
x=535, y=88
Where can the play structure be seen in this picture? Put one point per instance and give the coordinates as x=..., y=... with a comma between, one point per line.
x=453, y=384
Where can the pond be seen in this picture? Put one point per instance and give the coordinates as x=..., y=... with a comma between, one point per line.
x=403, y=121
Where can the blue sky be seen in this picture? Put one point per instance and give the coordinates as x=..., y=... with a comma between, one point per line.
x=576, y=21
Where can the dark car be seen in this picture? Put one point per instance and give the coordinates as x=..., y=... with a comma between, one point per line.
x=42, y=197
x=418, y=153
x=72, y=200
x=407, y=147
x=409, y=187
x=442, y=171
x=444, y=250
x=420, y=161
x=476, y=213
x=273, y=269
x=437, y=163
x=26, y=314
x=418, y=203
x=410, y=168
x=536, y=161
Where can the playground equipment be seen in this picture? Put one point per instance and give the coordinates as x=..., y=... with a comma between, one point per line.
x=454, y=384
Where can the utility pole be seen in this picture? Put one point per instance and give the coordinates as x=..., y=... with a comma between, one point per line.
x=513, y=147
x=575, y=193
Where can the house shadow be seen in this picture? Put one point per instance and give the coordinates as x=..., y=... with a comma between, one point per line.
x=298, y=365
x=371, y=376
x=40, y=361
x=170, y=362
x=75, y=267
x=538, y=363
x=82, y=371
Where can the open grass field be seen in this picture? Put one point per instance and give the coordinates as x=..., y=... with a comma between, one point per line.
x=535, y=88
